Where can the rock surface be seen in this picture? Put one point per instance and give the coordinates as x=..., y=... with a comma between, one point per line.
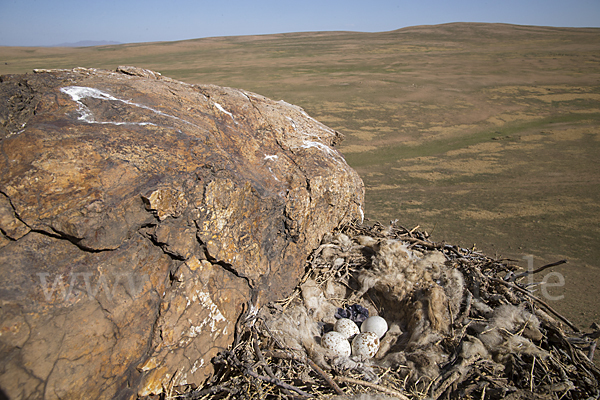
x=141, y=216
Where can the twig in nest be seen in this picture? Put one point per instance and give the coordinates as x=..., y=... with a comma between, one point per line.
x=277, y=382
x=383, y=389
x=540, y=269
x=311, y=363
x=483, y=391
x=592, y=350
x=210, y=390
x=325, y=376
x=261, y=359
x=468, y=300
x=531, y=377
x=237, y=333
x=543, y=303
x=454, y=376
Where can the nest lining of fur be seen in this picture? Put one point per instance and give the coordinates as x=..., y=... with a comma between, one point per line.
x=461, y=325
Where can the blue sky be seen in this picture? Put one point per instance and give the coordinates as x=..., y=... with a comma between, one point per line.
x=49, y=22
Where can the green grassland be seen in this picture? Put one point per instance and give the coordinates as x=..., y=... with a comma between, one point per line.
x=484, y=134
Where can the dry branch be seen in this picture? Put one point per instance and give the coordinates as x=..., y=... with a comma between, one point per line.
x=540, y=269
x=371, y=385
x=277, y=382
x=543, y=303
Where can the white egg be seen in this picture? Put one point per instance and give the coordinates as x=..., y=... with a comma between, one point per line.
x=346, y=327
x=337, y=343
x=375, y=324
x=365, y=344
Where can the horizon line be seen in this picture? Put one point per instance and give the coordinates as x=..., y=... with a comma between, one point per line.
x=119, y=43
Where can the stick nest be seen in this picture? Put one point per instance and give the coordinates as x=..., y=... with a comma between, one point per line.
x=462, y=325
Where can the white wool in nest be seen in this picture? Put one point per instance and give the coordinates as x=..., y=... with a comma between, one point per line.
x=510, y=330
x=354, y=364
x=329, y=253
x=454, y=286
x=366, y=241
x=294, y=328
x=512, y=319
x=339, y=239
x=418, y=363
x=419, y=295
x=473, y=348
x=393, y=270
x=316, y=303
x=483, y=308
x=398, y=270
x=517, y=344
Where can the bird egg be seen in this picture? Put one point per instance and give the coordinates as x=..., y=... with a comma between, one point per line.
x=375, y=324
x=336, y=343
x=365, y=344
x=346, y=327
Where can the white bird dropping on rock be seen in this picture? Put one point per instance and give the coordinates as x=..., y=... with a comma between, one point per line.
x=346, y=327
x=365, y=344
x=375, y=324
x=337, y=343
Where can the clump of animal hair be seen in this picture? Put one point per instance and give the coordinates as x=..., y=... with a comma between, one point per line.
x=510, y=330
x=427, y=289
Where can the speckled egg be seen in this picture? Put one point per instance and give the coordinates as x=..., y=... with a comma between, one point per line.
x=375, y=324
x=365, y=344
x=337, y=343
x=346, y=327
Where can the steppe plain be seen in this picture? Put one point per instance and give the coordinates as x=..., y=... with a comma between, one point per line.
x=484, y=135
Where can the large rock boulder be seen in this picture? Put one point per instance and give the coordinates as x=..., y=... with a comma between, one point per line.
x=141, y=216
